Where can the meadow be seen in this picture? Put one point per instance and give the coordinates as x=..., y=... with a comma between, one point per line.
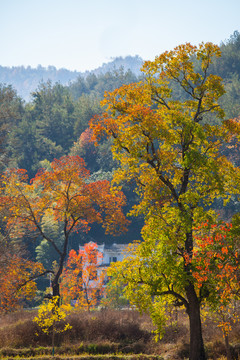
x=109, y=334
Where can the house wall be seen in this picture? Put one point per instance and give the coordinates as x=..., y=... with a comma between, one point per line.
x=110, y=254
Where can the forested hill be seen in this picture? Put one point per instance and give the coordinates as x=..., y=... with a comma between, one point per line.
x=25, y=80
x=56, y=120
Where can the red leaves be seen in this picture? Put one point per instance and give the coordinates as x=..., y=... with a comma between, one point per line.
x=71, y=163
x=216, y=266
x=224, y=249
x=82, y=279
x=86, y=142
x=216, y=261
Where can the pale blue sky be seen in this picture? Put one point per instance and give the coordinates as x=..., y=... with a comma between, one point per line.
x=83, y=34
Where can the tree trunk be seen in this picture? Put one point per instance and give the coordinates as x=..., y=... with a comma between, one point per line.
x=56, y=291
x=197, y=351
x=228, y=351
x=55, y=282
x=53, y=341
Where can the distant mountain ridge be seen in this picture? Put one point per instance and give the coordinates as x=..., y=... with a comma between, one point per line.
x=25, y=80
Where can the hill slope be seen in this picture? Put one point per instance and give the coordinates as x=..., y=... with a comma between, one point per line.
x=26, y=80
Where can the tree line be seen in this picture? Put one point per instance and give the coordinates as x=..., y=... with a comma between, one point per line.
x=50, y=124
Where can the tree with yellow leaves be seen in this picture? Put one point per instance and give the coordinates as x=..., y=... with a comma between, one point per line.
x=51, y=318
x=171, y=147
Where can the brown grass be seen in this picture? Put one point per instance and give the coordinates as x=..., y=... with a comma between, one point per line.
x=109, y=332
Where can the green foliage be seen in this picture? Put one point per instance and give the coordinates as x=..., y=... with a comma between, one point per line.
x=229, y=69
x=114, y=297
x=96, y=85
x=85, y=108
x=45, y=253
x=24, y=153
x=229, y=63
x=231, y=100
x=145, y=276
x=46, y=128
x=52, y=121
x=53, y=112
x=10, y=111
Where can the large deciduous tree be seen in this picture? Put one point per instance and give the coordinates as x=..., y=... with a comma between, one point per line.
x=171, y=146
x=64, y=195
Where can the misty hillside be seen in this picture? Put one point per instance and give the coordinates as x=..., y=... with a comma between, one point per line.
x=26, y=79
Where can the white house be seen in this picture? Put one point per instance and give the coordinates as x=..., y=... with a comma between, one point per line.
x=110, y=253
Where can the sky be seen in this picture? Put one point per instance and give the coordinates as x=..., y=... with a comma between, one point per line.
x=83, y=34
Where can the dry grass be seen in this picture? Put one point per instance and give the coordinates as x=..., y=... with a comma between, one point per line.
x=109, y=332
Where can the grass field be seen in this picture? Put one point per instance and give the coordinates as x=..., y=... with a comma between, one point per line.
x=108, y=335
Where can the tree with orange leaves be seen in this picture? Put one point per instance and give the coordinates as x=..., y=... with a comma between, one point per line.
x=18, y=274
x=65, y=195
x=85, y=148
x=83, y=278
x=216, y=268
x=17, y=281
x=216, y=260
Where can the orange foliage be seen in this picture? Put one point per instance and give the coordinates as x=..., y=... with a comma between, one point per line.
x=85, y=140
x=64, y=192
x=216, y=264
x=17, y=282
x=64, y=195
x=82, y=279
x=217, y=256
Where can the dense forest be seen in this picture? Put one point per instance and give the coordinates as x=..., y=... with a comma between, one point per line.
x=54, y=122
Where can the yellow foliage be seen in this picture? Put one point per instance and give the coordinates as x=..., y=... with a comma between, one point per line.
x=170, y=147
x=50, y=315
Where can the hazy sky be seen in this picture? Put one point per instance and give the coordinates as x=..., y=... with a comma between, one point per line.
x=83, y=34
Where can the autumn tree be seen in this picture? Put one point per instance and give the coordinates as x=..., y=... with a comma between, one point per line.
x=171, y=148
x=83, y=278
x=51, y=318
x=85, y=148
x=18, y=274
x=215, y=267
x=64, y=195
x=17, y=281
